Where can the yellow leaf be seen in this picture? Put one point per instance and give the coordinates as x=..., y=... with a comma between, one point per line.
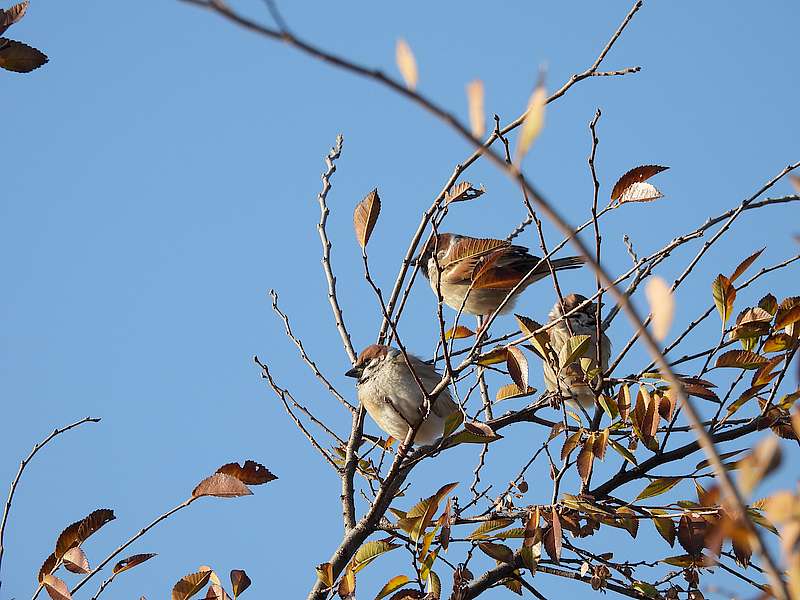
x=662, y=306
x=393, y=584
x=406, y=63
x=477, y=118
x=534, y=121
x=724, y=295
x=458, y=333
x=191, y=584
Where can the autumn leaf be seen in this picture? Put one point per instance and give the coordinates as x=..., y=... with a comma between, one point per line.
x=325, y=574
x=640, y=192
x=461, y=192
x=78, y=532
x=393, y=584
x=251, y=473
x=665, y=528
x=586, y=459
x=512, y=390
x=18, y=57
x=477, y=117
x=12, y=15
x=47, y=567
x=56, y=588
x=658, y=487
x=369, y=552
x=740, y=359
x=662, y=306
x=458, y=333
x=189, y=585
x=691, y=534
x=724, y=295
x=406, y=63
x=517, y=367
x=573, y=349
x=552, y=537
x=489, y=526
x=347, y=585
x=130, y=562
x=75, y=561
x=534, y=120
x=221, y=486
x=635, y=175
x=499, y=552
x=744, y=265
x=366, y=216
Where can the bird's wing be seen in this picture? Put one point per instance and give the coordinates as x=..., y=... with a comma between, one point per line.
x=465, y=257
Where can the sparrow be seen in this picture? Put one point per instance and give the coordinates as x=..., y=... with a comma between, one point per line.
x=571, y=381
x=392, y=397
x=492, y=267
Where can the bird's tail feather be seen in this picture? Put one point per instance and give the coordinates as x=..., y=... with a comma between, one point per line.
x=570, y=262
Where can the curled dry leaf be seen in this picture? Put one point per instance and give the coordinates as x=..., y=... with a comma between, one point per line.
x=20, y=58
x=216, y=592
x=47, y=567
x=325, y=573
x=406, y=63
x=640, y=191
x=635, y=175
x=79, y=531
x=745, y=264
x=517, y=367
x=552, y=537
x=239, y=581
x=586, y=459
x=366, y=216
x=222, y=486
x=189, y=585
x=347, y=585
x=477, y=117
x=458, y=333
x=131, y=561
x=461, y=192
x=12, y=15
x=251, y=473
x=662, y=306
x=56, y=588
x=740, y=359
x=534, y=120
x=75, y=561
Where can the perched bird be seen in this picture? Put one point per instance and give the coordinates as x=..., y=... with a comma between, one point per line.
x=571, y=381
x=492, y=267
x=392, y=397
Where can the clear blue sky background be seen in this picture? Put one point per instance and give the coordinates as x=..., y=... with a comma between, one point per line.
x=160, y=175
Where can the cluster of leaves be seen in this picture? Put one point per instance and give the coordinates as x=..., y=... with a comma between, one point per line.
x=14, y=55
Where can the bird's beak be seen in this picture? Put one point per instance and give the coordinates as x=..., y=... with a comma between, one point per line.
x=354, y=372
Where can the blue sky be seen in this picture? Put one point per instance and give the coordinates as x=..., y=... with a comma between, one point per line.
x=160, y=176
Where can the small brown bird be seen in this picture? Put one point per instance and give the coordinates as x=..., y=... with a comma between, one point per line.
x=392, y=397
x=492, y=267
x=572, y=380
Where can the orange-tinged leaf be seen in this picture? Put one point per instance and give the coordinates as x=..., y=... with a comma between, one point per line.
x=252, y=473
x=477, y=117
x=778, y=342
x=662, y=306
x=216, y=592
x=517, y=367
x=406, y=63
x=75, y=561
x=569, y=445
x=534, y=121
x=724, y=295
x=47, y=567
x=458, y=333
x=586, y=459
x=347, y=585
x=499, y=552
x=221, y=486
x=493, y=357
x=769, y=303
x=56, y=588
x=740, y=359
x=325, y=574
x=601, y=443
x=189, y=585
x=239, y=581
x=365, y=217
x=745, y=264
x=635, y=175
x=512, y=390
x=18, y=57
x=786, y=318
x=393, y=584
x=131, y=561
x=691, y=534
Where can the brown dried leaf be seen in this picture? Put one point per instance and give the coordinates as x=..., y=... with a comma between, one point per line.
x=12, y=15
x=740, y=359
x=56, y=588
x=635, y=175
x=499, y=552
x=365, y=217
x=512, y=390
x=406, y=63
x=221, y=486
x=47, y=567
x=477, y=117
x=517, y=367
x=325, y=574
x=569, y=445
x=75, y=561
x=216, y=592
x=189, y=585
x=552, y=537
x=252, y=473
x=691, y=534
x=624, y=402
x=662, y=306
x=745, y=264
x=347, y=585
x=586, y=459
x=131, y=561
x=601, y=443
x=18, y=57
x=787, y=317
x=778, y=342
x=78, y=532
x=769, y=303
x=462, y=192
